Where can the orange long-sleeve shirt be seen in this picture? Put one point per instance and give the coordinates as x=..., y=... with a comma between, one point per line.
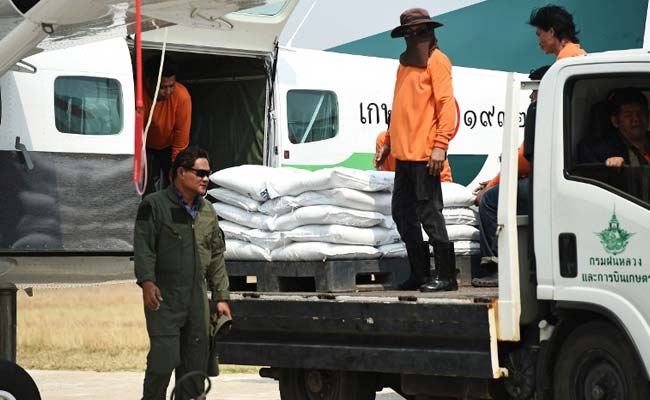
x=170, y=125
x=389, y=163
x=523, y=168
x=571, y=50
x=423, y=114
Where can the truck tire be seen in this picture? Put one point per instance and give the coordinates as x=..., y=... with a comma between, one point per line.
x=299, y=384
x=15, y=382
x=597, y=362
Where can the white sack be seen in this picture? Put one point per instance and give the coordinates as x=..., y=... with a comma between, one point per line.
x=238, y=250
x=324, y=215
x=461, y=248
x=462, y=232
x=235, y=199
x=460, y=216
x=395, y=250
x=459, y=232
x=467, y=248
x=265, y=239
x=318, y=251
x=455, y=195
x=367, y=181
x=241, y=217
x=232, y=230
x=294, y=181
x=342, y=197
x=249, y=180
x=341, y=234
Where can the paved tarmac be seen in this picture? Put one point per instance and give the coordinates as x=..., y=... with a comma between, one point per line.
x=72, y=385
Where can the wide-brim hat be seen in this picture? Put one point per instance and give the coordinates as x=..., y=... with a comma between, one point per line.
x=413, y=17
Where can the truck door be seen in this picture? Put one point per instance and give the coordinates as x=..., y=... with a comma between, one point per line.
x=599, y=215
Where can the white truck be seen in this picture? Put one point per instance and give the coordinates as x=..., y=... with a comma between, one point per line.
x=570, y=319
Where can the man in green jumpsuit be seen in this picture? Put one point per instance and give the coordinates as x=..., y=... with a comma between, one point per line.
x=179, y=253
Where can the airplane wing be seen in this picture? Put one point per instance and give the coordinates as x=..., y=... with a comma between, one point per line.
x=30, y=26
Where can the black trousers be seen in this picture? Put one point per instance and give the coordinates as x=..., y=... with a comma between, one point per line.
x=159, y=164
x=417, y=199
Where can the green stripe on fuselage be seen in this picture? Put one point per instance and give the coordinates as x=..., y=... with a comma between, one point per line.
x=464, y=167
x=494, y=34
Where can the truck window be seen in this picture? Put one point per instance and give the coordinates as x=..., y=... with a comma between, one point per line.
x=86, y=105
x=313, y=115
x=608, y=120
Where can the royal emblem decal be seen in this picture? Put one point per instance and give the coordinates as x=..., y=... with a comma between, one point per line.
x=614, y=238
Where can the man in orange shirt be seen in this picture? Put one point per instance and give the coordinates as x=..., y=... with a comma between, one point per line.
x=389, y=163
x=422, y=123
x=169, y=132
x=556, y=32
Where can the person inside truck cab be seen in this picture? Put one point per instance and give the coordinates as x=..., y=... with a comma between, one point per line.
x=422, y=124
x=556, y=32
x=169, y=132
x=628, y=143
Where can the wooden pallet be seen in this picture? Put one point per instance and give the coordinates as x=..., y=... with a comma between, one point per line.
x=329, y=276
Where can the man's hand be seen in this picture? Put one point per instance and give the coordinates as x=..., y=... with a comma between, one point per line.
x=223, y=309
x=436, y=161
x=381, y=155
x=151, y=295
x=615, y=162
x=478, y=192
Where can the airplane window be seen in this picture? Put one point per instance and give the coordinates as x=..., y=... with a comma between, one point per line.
x=607, y=135
x=88, y=105
x=313, y=115
x=266, y=10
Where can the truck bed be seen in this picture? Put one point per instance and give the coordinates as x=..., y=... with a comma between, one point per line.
x=446, y=334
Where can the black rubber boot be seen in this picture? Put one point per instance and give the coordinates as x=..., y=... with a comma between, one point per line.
x=444, y=279
x=419, y=260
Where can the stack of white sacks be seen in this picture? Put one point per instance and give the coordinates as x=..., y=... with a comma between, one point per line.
x=287, y=214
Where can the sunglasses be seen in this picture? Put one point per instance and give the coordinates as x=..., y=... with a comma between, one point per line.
x=201, y=173
x=408, y=32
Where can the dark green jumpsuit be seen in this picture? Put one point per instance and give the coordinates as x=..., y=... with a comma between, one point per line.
x=179, y=254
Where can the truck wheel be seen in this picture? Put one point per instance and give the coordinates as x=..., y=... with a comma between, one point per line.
x=16, y=384
x=598, y=362
x=298, y=384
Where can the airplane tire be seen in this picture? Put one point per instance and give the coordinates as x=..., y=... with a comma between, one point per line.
x=598, y=362
x=16, y=382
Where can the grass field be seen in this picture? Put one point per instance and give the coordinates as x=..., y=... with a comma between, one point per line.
x=98, y=328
